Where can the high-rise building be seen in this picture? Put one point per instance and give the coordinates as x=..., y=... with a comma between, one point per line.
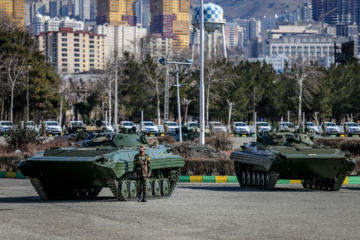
x=116, y=12
x=14, y=9
x=36, y=8
x=73, y=51
x=121, y=38
x=234, y=35
x=138, y=8
x=336, y=11
x=170, y=19
x=82, y=9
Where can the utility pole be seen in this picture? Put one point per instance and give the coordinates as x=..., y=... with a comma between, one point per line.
x=116, y=92
x=166, y=107
x=164, y=61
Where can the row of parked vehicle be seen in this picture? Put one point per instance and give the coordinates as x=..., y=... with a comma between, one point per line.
x=149, y=127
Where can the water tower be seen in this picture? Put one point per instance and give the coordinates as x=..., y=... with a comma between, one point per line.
x=213, y=20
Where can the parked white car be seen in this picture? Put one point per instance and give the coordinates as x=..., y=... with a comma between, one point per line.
x=30, y=125
x=173, y=127
x=263, y=127
x=311, y=127
x=124, y=124
x=351, y=128
x=218, y=127
x=192, y=124
x=109, y=128
x=53, y=127
x=149, y=127
x=330, y=128
x=241, y=128
x=5, y=127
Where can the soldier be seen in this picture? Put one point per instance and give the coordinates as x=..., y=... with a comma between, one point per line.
x=346, y=129
x=166, y=128
x=142, y=171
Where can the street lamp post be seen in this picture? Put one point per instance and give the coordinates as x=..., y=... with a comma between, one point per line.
x=164, y=61
x=27, y=97
x=202, y=92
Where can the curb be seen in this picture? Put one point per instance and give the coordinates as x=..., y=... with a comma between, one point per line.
x=352, y=180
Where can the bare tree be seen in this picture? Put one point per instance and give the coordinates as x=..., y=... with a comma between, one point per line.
x=157, y=84
x=186, y=102
x=14, y=69
x=305, y=77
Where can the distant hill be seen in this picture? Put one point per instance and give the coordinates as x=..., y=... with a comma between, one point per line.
x=249, y=8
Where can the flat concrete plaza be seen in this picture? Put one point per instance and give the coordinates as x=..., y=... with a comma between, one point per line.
x=195, y=211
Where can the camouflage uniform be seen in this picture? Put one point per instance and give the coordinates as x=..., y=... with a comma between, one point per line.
x=142, y=167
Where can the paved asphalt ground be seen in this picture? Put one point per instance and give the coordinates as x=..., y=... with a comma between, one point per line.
x=195, y=211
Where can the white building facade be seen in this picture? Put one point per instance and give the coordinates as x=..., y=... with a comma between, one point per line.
x=45, y=23
x=121, y=38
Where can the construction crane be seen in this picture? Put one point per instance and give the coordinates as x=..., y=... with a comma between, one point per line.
x=322, y=18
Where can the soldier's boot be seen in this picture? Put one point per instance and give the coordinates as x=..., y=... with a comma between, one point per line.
x=139, y=195
x=144, y=197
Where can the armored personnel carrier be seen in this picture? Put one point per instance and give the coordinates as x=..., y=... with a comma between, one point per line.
x=290, y=156
x=106, y=160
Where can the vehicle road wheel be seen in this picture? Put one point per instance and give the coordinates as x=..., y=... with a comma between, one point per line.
x=262, y=180
x=243, y=178
x=132, y=189
x=258, y=180
x=124, y=189
x=248, y=179
x=156, y=188
x=253, y=179
x=148, y=188
x=267, y=179
x=165, y=187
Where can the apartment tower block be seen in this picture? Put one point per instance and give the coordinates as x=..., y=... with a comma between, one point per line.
x=116, y=12
x=170, y=18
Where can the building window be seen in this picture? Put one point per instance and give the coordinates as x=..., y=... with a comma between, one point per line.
x=91, y=42
x=92, y=55
x=64, y=59
x=76, y=34
x=64, y=54
x=76, y=50
x=54, y=55
x=76, y=55
x=64, y=44
x=92, y=51
x=76, y=45
x=91, y=60
x=64, y=39
x=64, y=64
x=91, y=46
x=76, y=40
x=76, y=60
x=91, y=37
x=54, y=44
x=77, y=70
x=64, y=49
x=76, y=65
x=92, y=65
x=64, y=34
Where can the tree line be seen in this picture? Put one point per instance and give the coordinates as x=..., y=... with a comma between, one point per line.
x=323, y=94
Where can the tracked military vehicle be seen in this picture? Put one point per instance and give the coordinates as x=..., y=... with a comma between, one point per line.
x=290, y=156
x=106, y=160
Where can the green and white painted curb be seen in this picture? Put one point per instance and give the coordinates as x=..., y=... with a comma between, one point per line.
x=352, y=180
